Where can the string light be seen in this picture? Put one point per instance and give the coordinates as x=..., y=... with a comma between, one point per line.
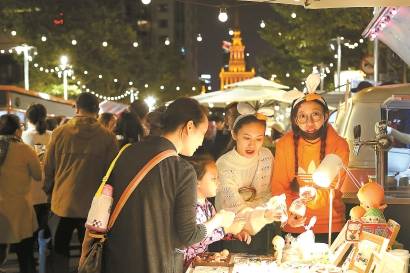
x=146, y=2
x=135, y=44
x=293, y=15
x=167, y=42
x=146, y=85
x=85, y=72
x=13, y=33
x=262, y=24
x=223, y=15
x=199, y=37
x=104, y=44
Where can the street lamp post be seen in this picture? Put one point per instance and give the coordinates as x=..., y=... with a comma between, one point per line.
x=339, y=60
x=66, y=71
x=25, y=50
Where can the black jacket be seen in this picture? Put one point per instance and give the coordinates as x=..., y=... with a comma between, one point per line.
x=159, y=216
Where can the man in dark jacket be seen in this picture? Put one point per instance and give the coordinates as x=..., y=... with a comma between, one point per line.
x=78, y=156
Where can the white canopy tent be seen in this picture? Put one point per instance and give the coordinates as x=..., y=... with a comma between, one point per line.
x=324, y=4
x=112, y=107
x=255, y=89
x=257, y=82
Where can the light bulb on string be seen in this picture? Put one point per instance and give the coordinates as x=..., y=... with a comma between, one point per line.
x=230, y=32
x=199, y=37
x=146, y=85
x=43, y=38
x=13, y=33
x=167, y=42
x=223, y=15
x=74, y=42
x=115, y=80
x=146, y=2
x=178, y=88
x=293, y=15
x=130, y=83
x=104, y=44
x=262, y=24
x=100, y=76
x=135, y=44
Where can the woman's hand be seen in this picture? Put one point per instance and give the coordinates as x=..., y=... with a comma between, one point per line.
x=295, y=220
x=273, y=215
x=244, y=237
x=225, y=218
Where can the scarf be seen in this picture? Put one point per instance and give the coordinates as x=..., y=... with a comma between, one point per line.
x=5, y=141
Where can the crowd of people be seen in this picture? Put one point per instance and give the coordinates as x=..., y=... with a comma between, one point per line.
x=222, y=187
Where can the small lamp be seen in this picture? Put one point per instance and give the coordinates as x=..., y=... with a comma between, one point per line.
x=325, y=173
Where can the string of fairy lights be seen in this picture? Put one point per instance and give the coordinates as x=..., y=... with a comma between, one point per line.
x=222, y=17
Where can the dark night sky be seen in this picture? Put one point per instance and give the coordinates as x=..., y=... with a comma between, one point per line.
x=210, y=53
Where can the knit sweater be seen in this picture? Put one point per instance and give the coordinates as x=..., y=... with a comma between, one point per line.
x=309, y=159
x=236, y=171
x=39, y=143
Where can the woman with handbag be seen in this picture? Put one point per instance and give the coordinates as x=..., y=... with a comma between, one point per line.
x=159, y=218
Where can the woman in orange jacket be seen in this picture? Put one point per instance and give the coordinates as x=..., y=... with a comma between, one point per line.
x=299, y=152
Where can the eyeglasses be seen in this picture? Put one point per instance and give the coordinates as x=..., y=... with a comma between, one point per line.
x=315, y=116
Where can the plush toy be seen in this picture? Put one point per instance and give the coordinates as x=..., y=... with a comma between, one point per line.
x=372, y=204
x=373, y=215
x=278, y=245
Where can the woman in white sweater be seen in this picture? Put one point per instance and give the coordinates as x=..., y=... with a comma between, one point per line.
x=245, y=175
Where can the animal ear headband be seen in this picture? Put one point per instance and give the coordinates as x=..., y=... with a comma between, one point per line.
x=312, y=82
x=245, y=110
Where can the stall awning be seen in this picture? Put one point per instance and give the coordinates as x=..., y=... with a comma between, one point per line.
x=392, y=27
x=325, y=4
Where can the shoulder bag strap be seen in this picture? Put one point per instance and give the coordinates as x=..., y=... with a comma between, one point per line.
x=107, y=175
x=135, y=181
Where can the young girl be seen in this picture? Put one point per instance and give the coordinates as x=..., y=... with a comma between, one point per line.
x=207, y=176
x=300, y=151
x=245, y=175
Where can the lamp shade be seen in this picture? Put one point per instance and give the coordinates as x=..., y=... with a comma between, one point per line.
x=327, y=170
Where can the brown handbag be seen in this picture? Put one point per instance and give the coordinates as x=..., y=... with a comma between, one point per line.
x=92, y=247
